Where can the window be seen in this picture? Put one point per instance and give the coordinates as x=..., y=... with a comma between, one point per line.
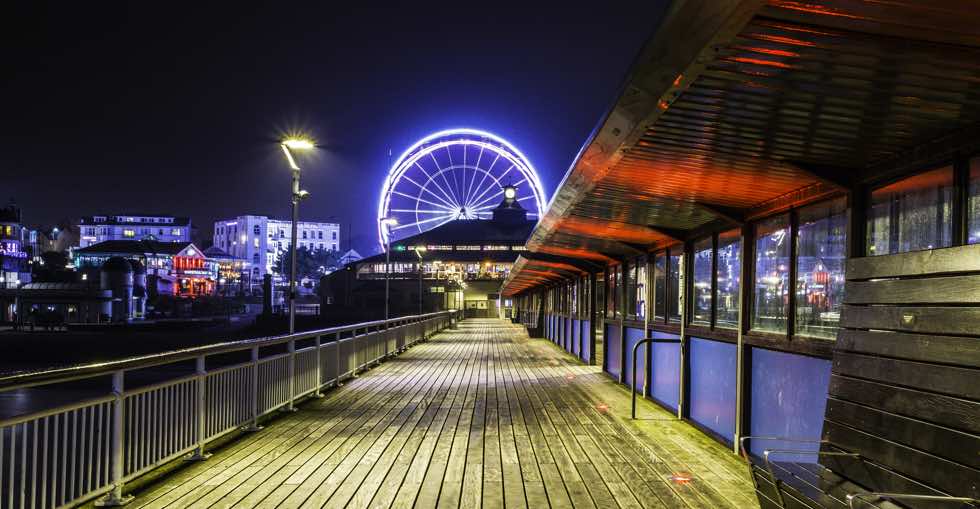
x=255, y=242
x=771, y=274
x=631, y=290
x=255, y=258
x=175, y=231
x=659, y=286
x=701, y=297
x=729, y=278
x=674, y=284
x=973, y=203
x=160, y=232
x=820, y=251
x=319, y=235
x=256, y=230
x=641, y=289
x=129, y=233
x=320, y=245
x=618, y=294
x=611, y=293
x=333, y=236
x=912, y=214
x=282, y=234
x=304, y=234
x=333, y=247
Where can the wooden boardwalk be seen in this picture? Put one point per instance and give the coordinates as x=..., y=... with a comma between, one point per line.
x=476, y=417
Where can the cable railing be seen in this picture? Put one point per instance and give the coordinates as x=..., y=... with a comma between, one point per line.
x=153, y=409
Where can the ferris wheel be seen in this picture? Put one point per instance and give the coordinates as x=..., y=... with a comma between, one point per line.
x=454, y=174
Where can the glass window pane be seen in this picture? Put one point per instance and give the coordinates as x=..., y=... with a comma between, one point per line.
x=641, y=288
x=702, y=283
x=912, y=214
x=673, y=280
x=660, y=287
x=618, y=296
x=771, y=275
x=973, y=205
x=729, y=279
x=821, y=250
x=631, y=290
x=611, y=293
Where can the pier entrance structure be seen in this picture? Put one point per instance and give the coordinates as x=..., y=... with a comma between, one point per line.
x=784, y=200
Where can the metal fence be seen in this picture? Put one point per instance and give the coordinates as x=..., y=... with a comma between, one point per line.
x=71, y=453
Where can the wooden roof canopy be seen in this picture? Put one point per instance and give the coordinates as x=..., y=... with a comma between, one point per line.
x=737, y=109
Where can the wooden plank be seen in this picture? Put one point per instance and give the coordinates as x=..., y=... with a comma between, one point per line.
x=919, y=319
x=956, y=413
x=949, y=380
x=917, y=263
x=945, y=475
x=926, y=291
x=957, y=350
x=936, y=440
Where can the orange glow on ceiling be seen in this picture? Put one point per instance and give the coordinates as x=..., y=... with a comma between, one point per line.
x=814, y=8
x=574, y=253
x=602, y=229
x=768, y=51
x=759, y=61
x=783, y=40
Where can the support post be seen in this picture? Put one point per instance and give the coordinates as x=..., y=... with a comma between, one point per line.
x=200, y=410
x=291, y=374
x=318, y=393
x=336, y=341
x=254, y=426
x=115, y=497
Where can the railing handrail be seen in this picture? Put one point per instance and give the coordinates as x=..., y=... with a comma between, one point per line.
x=70, y=373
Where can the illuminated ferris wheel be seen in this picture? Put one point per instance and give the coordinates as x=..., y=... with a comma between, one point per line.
x=454, y=174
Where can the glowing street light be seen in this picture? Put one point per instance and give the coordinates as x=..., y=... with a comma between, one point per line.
x=298, y=194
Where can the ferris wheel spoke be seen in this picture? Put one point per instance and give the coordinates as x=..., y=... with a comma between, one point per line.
x=489, y=188
x=439, y=171
x=424, y=221
x=419, y=198
x=476, y=169
x=426, y=189
x=484, y=179
x=436, y=183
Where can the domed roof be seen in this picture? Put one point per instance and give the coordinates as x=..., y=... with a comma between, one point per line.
x=138, y=267
x=117, y=264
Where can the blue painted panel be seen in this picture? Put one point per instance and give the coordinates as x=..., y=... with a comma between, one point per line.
x=612, y=348
x=547, y=326
x=586, y=345
x=713, y=365
x=666, y=370
x=576, y=336
x=563, y=332
x=789, y=396
x=633, y=336
x=567, y=341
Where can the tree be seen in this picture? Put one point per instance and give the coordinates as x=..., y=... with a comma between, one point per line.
x=310, y=263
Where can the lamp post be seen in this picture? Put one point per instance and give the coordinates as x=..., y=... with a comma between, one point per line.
x=297, y=195
x=388, y=222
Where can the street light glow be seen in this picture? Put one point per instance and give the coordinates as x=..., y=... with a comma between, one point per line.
x=510, y=192
x=298, y=143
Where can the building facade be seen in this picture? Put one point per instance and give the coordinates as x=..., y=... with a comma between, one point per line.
x=172, y=268
x=14, y=258
x=159, y=227
x=260, y=241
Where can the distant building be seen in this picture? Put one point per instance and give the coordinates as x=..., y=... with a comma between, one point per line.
x=458, y=265
x=162, y=228
x=15, y=268
x=260, y=241
x=172, y=268
x=233, y=275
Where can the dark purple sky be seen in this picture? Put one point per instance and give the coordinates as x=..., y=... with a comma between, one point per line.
x=155, y=106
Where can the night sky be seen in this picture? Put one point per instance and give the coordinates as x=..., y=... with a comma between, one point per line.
x=176, y=108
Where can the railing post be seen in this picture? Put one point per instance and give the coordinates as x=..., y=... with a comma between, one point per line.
x=255, y=391
x=319, y=370
x=336, y=340
x=115, y=497
x=199, y=453
x=291, y=374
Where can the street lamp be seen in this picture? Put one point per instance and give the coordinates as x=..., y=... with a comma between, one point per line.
x=298, y=194
x=388, y=223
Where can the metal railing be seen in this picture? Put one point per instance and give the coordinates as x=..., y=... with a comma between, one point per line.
x=71, y=453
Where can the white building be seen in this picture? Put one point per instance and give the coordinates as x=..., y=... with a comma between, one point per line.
x=260, y=241
x=100, y=228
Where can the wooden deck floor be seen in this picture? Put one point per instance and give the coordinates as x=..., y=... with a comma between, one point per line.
x=479, y=416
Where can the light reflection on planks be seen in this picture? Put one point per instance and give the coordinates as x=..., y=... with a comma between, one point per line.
x=477, y=417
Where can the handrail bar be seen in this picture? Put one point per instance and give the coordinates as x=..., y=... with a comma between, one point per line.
x=851, y=497
x=772, y=474
x=633, y=384
x=70, y=373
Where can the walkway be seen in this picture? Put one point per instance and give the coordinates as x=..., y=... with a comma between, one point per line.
x=479, y=416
